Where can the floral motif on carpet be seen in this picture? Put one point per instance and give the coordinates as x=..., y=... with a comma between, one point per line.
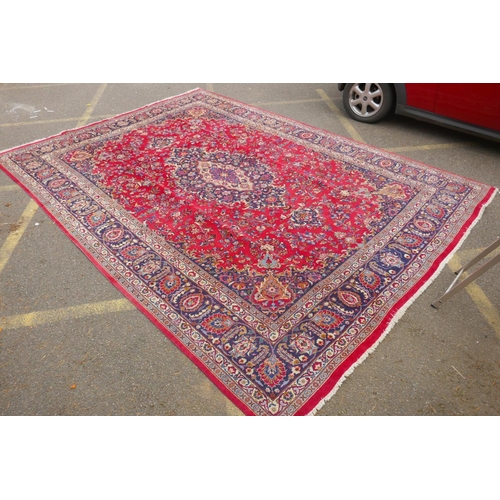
x=275, y=255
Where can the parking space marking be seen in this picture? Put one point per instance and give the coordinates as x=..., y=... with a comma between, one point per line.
x=209, y=391
x=279, y=103
x=343, y=120
x=13, y=239
x=45, y=122
x=10, y=187
x=487, y=309
x=90, y=107
x=467, y=255
x=37, y=318
x=428, y=147
x=36, y=86
x=232, y=410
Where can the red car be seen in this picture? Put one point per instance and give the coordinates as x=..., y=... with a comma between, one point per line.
x=467, y=107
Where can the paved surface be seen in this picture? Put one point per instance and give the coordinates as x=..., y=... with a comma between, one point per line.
x=72, y=345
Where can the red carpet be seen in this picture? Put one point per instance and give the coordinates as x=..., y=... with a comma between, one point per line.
x=273, y=254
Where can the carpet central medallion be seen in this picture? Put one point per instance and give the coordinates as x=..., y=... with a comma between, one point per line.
x=274, y=254
x=225, y=176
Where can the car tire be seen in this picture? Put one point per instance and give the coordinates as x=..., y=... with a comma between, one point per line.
x=368, y=102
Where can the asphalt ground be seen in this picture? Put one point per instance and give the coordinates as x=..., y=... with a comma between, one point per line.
x=71, y=344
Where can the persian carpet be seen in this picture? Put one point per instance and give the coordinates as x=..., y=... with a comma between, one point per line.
x=275, y=255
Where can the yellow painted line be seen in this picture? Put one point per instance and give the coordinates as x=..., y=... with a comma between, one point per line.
x=14, y=237
x=232, y=410
x=279, y=103
x=37, y=318
x=36, y=122
x=36, y=86
x=487, y=309
x=90, y=107
x=44, y=122
x=343, y=120
x=10, y=187
x=209, y=391
x=467, y=255
x=428, y=147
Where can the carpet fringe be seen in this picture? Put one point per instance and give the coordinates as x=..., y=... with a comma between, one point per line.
x=403, y=309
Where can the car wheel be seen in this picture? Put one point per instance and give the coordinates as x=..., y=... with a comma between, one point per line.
x=368, y=102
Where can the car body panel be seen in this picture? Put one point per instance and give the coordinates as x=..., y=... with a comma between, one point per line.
x=421, y=95
x=472, y=108
x=476, y=103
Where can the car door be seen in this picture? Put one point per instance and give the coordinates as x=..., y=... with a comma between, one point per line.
x=421, y=96
x=475, y=103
